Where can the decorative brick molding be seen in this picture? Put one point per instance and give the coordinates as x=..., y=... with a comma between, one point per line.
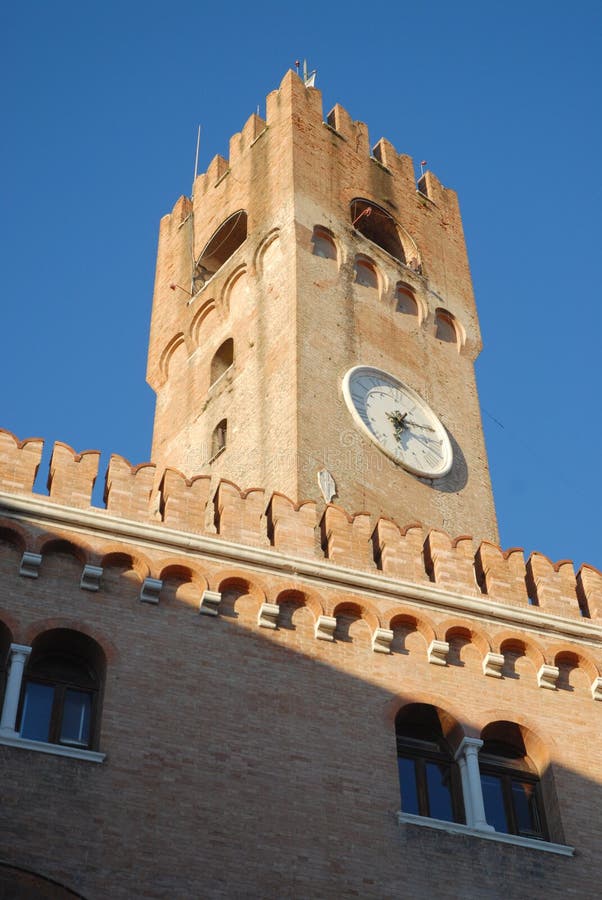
x=267, y=616
x=381, y=640
x=493, y=664
x=209, y=604
x=548, y=676
x=90, y=580
x=437, y=653
x=150, y=590
x=30, y=565
x=325, y=627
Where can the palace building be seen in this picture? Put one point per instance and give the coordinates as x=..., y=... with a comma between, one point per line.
x=288, y=658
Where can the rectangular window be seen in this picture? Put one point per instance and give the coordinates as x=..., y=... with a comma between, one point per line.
x=75, y=727
x=37, y=711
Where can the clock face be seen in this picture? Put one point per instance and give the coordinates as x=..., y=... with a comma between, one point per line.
x=398, y=421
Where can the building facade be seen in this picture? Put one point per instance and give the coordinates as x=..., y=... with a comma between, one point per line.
x=288, y=657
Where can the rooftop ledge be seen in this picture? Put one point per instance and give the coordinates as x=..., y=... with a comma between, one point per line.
x=499, y=837
x=38, y=508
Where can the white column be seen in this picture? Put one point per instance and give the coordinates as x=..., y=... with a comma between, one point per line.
x=18, y=658
x=467, y=757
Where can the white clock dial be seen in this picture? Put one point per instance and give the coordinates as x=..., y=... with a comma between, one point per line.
x=398, y=420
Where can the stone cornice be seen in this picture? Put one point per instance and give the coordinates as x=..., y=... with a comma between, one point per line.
x=39, y=511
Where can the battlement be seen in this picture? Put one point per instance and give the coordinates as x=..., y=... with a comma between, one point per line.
x=329, y=534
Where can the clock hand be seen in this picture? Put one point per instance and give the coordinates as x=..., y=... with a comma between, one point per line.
x=418, y=425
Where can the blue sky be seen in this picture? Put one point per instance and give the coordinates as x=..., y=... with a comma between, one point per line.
x=100, y=106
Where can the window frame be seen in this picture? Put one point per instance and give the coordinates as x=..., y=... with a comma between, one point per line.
x=55, y=724
x=508, y=775
x=421, y=753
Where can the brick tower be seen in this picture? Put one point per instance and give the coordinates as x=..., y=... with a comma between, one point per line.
x=325, y=680
x=304, y=255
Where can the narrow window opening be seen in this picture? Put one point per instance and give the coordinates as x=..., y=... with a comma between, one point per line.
x=219, y=438
x=222, y=360
x=445, y=330
x=322, y=244
x=365, y=274
x=405, y=301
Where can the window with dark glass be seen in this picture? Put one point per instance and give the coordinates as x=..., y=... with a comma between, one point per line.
x=510, y=784
x=429, y=779
x=60, y=695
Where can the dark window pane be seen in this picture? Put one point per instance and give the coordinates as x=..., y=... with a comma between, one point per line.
x=75, y=728
x=407, y=783
x=37, y=710
x=493, y=799
x=525, y=808
x=439, y=791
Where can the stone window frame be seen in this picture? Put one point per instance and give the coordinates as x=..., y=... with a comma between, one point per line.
x=9, y=736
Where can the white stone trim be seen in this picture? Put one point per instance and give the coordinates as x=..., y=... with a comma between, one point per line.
x=597, y=688
x=267, y=617
x=90, y=580
x=30, y=564
x=457, y=828
x=548, y=676
x=467, y=757
x=53, y=749
x=19, y=654
x=325, y=626
x=150, y=590
x=382, y=639
x=209, y=603
x=493, y=664
x=437, y=653
x=39, y=510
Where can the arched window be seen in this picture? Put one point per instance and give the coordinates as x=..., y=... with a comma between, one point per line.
x=60, y=698
x=219, y=438
x=445, y=328
x=405, y=301
x=379, y=226
x=510, y=783
x=222, y=360
x=428, y=776
x=365, y=273
x=225, y=241
x=323, y=243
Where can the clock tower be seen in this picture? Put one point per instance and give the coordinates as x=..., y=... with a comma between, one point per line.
x=314, y=329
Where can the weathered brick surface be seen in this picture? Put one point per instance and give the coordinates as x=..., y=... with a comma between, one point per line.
x=249, y=761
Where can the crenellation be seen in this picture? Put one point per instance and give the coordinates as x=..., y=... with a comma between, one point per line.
x=502, y=573
x=19, y=462
x=451, y=562
x=589, y=591
x=399, y=552
x=240, y=142
x=239, y=515
x=217, y=169
x=128, y=489
x=183, y=501
x=347, y=539
x=72, y=475
x=291, y=527
x=555, y=585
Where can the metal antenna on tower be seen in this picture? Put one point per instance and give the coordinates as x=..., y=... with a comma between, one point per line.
x=196, y=157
